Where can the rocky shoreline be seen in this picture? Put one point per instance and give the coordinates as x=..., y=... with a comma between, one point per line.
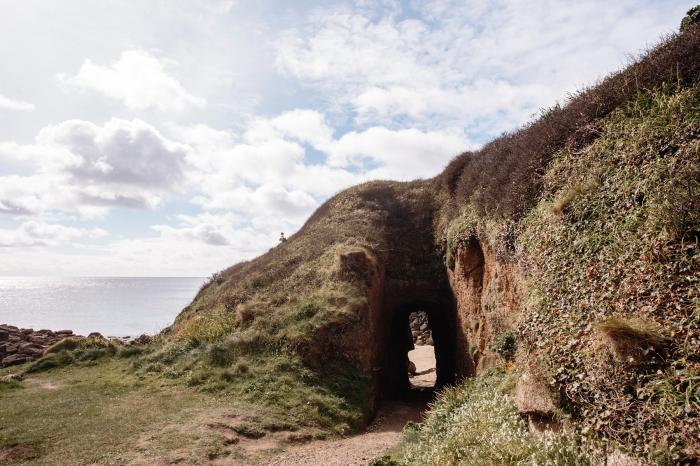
x=22, y=345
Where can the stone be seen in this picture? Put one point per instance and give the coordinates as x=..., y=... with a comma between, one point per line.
x=14, y=360
x=424, y=327
x=27, y=331
x=143, y=339
x=64, y=332
x=532, y=395
x=11, y=377
x=95, y=335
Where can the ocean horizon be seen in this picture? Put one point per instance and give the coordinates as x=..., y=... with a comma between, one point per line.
x=113, y=306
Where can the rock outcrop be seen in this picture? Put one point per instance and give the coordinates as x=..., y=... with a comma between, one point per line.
x=20, y=345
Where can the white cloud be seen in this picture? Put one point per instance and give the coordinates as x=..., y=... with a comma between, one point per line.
x=399, y=154
x=11, y=104
x=38, y=233
x=79, y=166
x=456, y=62
x=138, y=79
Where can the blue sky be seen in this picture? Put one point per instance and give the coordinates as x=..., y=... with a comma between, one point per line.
x=177, y=137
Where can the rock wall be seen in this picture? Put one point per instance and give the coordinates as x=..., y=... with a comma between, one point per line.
x=488, y=294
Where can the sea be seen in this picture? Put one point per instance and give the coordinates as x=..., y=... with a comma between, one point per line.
x=113, y=306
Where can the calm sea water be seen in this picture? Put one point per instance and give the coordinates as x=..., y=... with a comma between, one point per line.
x=111, y=306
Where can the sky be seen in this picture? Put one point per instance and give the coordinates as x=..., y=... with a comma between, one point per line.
x=178, y=137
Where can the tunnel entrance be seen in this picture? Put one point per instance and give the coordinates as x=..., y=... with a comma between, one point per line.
x=440, y=320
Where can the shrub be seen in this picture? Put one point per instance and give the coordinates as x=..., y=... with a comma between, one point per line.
x=220, y=355
x=50, y=361
x=67, y=344
x=691, y=18
x=506, y=345
x=476, y=424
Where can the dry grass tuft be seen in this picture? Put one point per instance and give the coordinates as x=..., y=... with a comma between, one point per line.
x=631, y=340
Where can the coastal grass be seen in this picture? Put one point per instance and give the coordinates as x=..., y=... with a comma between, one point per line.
x=476, y=423
x=107, y=413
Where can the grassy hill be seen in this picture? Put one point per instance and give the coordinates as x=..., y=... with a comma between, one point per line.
x=559, y=266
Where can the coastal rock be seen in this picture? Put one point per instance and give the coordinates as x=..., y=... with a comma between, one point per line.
x=143, y=339
x=14, y=360
x=4, y=335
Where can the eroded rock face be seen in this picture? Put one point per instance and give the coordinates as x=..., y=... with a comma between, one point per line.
x=487, y=293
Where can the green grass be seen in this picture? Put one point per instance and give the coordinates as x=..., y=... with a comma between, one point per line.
x=107, y=413
x=333, y=399
x=477, y=424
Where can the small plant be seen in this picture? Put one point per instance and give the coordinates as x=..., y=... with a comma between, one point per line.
x=506, y=345
x=692, y=17
x=220, y=355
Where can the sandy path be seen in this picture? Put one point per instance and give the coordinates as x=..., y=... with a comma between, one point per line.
x=384, y=433
x=423, y=356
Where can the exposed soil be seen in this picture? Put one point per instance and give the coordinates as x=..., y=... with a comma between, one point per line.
x=384, y=433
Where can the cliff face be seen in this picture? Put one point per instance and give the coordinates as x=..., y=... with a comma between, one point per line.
x=567, y=250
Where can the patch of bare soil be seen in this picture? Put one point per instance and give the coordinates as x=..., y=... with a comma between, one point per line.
x=22, y=450
x=384, y=433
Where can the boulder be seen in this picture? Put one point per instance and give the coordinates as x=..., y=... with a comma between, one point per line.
x=14, y=360
x=532, y=395
x=95, y=335
x=534, y=400
x=64, y=332
x=143, y=339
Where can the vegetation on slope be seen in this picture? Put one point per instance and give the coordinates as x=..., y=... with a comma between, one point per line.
x=611, y=252
x=477, y=423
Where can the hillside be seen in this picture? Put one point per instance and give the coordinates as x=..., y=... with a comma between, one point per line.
x=559, y=269
x=575, y=237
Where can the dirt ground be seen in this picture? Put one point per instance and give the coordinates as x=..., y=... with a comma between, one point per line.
x=424, y=359
x=384, y=433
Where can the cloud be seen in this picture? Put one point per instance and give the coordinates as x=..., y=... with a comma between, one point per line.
x=398, y=154
x=138, y=79
x=10, y=104
x=485, y=66
x=80, y=166
x=37, y=233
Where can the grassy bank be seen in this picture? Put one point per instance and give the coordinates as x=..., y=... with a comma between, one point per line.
x=477, y=423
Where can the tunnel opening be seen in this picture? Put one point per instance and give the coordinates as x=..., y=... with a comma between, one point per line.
x=440, y=315
x=421, y=357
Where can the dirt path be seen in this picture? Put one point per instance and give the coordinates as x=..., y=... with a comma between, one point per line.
x=423, y=356
x=384, y=433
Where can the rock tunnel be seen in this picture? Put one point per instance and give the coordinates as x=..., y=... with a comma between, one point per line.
x=452, y=304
